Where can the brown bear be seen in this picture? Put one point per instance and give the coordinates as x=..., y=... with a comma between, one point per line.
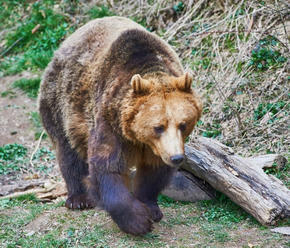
x=115, y=96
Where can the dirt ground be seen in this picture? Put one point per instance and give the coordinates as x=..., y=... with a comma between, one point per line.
x=15, y=126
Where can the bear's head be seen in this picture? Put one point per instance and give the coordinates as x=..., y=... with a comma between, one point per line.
x=161, y=112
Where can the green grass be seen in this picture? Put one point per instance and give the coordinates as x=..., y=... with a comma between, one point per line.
x=14, y=156
x=266, y=55
x=212, y=131
x=223, y=211
x=12, y=226
x=178, y=7
x=43, y=156
x=220, y=216
x=12, y=152
x=70, y=229
x=202, y=58
x=99, y=12
x=29, y=86
x=18, y=201
x=8, y=93
x=271, y=108
x=282, y=174
x=208, y=222
x=215, y=233
x=216, y=218
x=53, y=27
x=35, y=119
x=27, y=50
x=8, y=168
x=11, y=158
x=33, y=51
x=11, y=6
x=166, y=201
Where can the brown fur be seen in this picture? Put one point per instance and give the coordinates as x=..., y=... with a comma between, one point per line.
x=108, y=86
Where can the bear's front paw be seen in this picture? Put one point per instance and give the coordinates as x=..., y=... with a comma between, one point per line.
x=81, y=201
x=134, y=218
x=155, y=211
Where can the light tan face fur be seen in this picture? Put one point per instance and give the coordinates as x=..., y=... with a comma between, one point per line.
x=165, y=119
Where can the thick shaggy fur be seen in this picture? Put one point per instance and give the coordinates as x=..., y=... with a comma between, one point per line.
x=101, y=117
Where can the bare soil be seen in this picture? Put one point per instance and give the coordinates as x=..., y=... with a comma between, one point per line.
x=15, y=126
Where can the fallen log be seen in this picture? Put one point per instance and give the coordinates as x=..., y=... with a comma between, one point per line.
x=45, y=190
x=20, y=186
x=241, y=179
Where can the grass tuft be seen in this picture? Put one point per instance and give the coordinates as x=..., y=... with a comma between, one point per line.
x=223, y=211
x=266, y=55
x=29, y=86
x=271, y=108
x=11, y=156
x=37, y=34
x=12, y=152
x=99, y=12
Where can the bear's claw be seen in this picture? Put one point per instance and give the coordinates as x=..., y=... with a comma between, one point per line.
x=79, y=202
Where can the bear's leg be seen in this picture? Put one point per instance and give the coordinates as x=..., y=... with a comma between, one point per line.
x=73, y=168
x=107, y=169
x=74, y=171
x=131, y=215
x=149, y=182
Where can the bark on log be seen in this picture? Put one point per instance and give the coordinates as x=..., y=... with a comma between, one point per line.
x=241, y=179
x=20, y=186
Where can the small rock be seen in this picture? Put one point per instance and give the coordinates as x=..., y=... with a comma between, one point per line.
x=184, y=186
x=31, y=176
x=283, y=230
x=29, y=233
x=281, y=162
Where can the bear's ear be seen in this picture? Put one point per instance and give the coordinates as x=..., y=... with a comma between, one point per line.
x=184, y=82
x=140, y=85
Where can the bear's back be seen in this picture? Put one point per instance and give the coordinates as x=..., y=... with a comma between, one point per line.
x=77, y=53
x=93, y=38
x=95, y=48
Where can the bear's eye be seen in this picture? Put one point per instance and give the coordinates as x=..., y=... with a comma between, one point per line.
x=182, y=127
x=159, y=129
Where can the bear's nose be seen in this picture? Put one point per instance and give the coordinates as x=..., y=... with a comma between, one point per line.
x=177, y=159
